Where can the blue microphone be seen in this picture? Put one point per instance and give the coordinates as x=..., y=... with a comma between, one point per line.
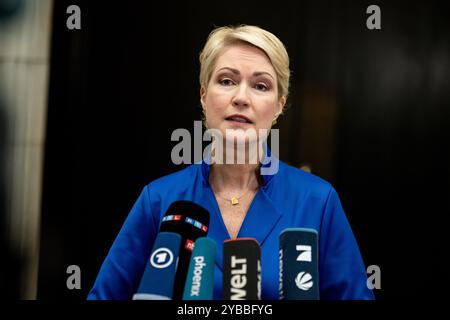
x=299, y=271
x=200, y=277
x=159, y=274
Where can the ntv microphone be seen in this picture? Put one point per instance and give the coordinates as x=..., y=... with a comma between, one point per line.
x=241, y=269
x=191, y=222
x=200, y=278
x=299, y=275
x=161, y=265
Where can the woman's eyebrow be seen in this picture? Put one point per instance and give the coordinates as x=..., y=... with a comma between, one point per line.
x=235, y=71
x=259, y=73
x=255, y=74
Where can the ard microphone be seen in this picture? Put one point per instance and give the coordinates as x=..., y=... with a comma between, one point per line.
x=200, y=277
x=191, y=222
x=161, y=265
x=241, y=269
x=299, y=272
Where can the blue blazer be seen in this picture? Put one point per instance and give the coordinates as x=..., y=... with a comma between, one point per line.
x=288, y=198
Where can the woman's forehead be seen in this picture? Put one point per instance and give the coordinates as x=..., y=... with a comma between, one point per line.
x=243, y=55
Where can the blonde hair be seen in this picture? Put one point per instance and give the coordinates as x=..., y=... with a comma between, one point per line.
x=223, y=37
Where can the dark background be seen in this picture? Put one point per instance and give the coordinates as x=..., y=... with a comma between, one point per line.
x=369, y=112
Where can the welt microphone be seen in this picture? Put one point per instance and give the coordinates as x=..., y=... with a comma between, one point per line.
x=161, y=265
x=200, y=277
x=241, y=269
x=299, y=272
x=191, y=222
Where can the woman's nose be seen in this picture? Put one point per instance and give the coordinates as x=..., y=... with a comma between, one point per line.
x=241, y=98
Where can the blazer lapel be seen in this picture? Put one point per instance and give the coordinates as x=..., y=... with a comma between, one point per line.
x=259, y=222
x=217, y=230
x=261, y=218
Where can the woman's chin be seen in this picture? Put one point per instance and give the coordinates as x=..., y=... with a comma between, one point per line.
x=239, y=141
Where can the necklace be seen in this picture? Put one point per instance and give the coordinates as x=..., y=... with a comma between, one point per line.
x=234, y=200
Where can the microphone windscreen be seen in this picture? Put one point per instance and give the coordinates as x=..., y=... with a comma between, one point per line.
x=299, y=272
x=241, y=269
x=186, y=217
x=200, y=277
x=158, y=279
x=191, y=221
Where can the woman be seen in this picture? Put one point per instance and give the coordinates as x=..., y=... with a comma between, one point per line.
x=244, y=81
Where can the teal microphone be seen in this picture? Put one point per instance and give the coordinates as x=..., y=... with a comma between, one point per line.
x=200, y=277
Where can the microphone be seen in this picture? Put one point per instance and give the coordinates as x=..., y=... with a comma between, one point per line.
x=241, y=269
x=161, y=265
x=190, y=221
x=299, y=272
x=200, y=277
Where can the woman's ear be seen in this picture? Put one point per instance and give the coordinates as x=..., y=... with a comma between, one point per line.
x=202, y=96
x=281, y=103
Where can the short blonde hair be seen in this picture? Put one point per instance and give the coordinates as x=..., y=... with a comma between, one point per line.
x=223, y=37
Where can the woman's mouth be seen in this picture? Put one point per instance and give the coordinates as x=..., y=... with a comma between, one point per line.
x=237, y=118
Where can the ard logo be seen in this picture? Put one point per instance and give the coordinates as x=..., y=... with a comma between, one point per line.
x=161, y=258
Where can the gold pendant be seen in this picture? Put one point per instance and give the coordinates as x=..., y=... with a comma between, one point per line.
x=234, y=201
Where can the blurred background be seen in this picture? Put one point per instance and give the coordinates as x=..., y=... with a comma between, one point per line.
x=86, y=118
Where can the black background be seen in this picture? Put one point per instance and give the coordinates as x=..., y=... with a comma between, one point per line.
x=129, y=77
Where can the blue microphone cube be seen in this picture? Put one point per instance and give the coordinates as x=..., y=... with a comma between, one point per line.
x=299, y=273
x=159, y=274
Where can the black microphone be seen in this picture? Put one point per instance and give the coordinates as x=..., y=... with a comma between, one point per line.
x=241, y=269
x=299, y=271
x=161, y=265
x=190, y=221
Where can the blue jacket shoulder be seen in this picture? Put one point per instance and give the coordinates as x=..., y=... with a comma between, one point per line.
x=178, y=181
x=301, y=181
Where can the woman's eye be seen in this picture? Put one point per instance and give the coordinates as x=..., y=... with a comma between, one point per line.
x=261, y=86
x=226, y=82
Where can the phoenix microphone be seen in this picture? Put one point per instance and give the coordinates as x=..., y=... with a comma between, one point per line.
x=299, y=272
x=200, y=277
x=241, y=269
x=161, y=265
x=190, y=221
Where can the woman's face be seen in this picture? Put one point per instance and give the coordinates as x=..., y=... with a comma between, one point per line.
x=242, y=92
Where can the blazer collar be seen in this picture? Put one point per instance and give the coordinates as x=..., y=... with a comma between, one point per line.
x=260, y=220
